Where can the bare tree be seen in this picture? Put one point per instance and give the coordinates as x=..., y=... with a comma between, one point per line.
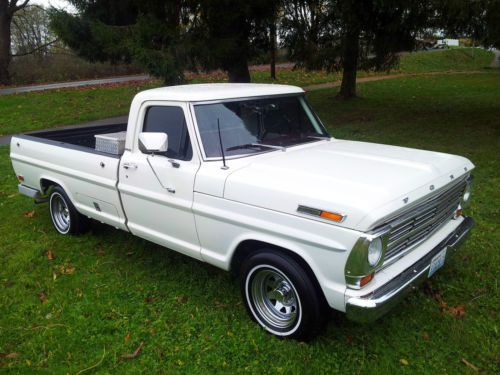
x=30, y=32
x=7, y=10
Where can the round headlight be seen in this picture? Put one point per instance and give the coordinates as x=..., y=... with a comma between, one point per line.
x=374, y=252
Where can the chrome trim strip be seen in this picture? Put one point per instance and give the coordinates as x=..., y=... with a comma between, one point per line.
x=317, y=212
x=253, y=97
x=373, y=305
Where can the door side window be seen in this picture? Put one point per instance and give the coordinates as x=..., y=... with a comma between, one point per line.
x=170, y=120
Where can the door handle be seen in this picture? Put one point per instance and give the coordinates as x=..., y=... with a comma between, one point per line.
x=129, y=165
x=174, y=163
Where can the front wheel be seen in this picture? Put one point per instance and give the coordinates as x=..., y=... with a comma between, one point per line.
x=280, y=295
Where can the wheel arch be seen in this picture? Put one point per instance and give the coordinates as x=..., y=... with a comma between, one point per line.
x=250, y=246
x=46, y=184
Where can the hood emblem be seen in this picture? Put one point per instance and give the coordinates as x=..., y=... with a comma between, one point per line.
x=431, y=187
x=405, y=200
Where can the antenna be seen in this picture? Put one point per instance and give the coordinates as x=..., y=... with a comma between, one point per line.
x=224, y=166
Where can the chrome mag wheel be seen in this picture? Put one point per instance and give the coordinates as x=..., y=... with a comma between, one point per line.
x=59, y=211
x=274, y=299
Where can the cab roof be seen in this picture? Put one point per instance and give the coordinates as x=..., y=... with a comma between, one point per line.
x=216, y=91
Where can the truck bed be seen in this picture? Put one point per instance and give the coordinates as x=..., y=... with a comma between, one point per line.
x=80, y=138
x=67, y=157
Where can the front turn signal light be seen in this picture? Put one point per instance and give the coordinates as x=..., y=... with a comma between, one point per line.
x=331, y=216
x=458, y=213
x=365, y=280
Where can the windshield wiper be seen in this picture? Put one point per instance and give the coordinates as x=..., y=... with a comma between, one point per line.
x=255, y=145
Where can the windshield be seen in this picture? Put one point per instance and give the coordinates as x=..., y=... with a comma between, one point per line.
x=256, y=125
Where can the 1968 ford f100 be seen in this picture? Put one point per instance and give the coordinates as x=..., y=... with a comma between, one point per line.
x=246, y=178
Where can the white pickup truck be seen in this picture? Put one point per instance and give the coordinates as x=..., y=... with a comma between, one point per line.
x=245, y=177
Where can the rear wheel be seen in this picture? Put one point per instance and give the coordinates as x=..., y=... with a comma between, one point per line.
x=280, y=295
x=65, y=217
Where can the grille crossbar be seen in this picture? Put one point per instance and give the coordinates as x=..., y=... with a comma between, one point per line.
x=416, y=225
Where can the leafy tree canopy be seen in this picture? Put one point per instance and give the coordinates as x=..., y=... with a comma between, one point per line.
x=167, y=37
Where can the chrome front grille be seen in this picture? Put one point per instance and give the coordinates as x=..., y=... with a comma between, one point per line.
x=417, y=224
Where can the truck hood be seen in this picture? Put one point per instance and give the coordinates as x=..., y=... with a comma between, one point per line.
x=365, y=182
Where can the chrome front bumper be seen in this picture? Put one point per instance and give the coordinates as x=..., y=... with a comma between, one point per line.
x=372, y=306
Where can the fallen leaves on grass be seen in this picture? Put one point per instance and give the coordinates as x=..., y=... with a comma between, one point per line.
x=50, y=255
x=468, y=364
x=150, y=299
x=42, y=297
x=348, y=339
x=127, y=337
x=404, y=362
x=434, y=293
x=29, y=214
x=135, y=354
x=458, y=311
x=66, y=269
x=9, y=355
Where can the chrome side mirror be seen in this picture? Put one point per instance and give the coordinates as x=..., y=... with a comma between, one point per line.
x=153, y=142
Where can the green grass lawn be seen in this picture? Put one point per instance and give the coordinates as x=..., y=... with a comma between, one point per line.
x=446, y=60
x=40, y=110
x=106, y=292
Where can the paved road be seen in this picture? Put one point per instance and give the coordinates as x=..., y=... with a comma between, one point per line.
x=103, y=81
x=61, y=85
x=92, y=82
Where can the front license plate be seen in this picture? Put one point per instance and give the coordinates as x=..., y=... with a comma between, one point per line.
x=437, y=262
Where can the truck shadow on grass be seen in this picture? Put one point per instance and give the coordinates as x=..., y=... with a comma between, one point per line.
x=188, y=279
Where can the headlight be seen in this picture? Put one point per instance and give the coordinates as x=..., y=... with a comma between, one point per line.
x=366, y=255
x=374, y=251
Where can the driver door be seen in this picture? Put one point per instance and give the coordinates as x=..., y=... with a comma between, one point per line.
x=157, y=190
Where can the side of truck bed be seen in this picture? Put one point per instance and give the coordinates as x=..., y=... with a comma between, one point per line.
x=82, y=138
x=68, y=158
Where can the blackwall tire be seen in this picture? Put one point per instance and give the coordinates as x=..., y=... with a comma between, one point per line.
x=280, y=295
x=65, y=218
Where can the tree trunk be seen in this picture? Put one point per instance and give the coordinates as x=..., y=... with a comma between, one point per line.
x=350, y=65
x=238, y=72
x=272, y=32
x=5, y=20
